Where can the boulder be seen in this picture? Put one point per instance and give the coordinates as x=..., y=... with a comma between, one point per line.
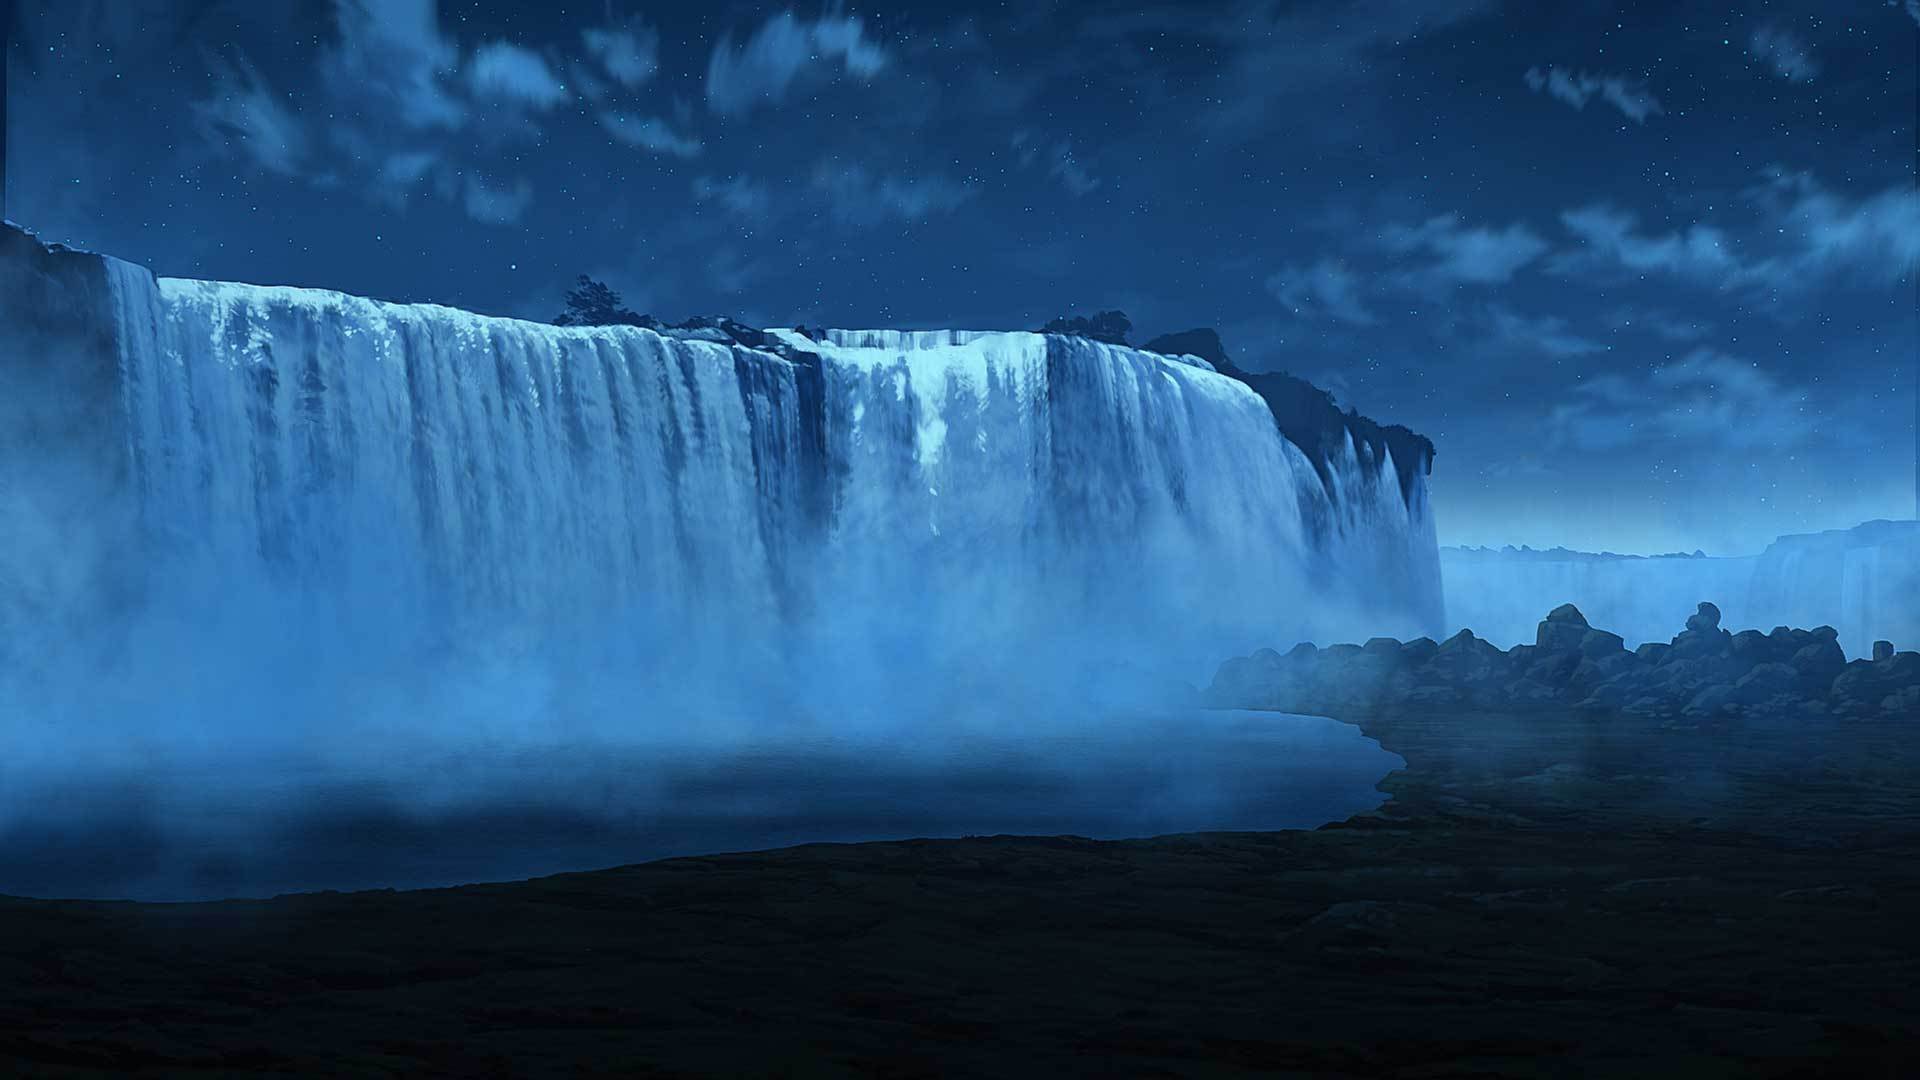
x=1705, y=619
x=1599, y=644
x=1562, y=630
x=1699, y=642
x=1766, y=682
x=1865, y=687
x=1754, y=647
x=1882, y=651
x=1710, y=702
x=1554, y=668
x=1653, y=652
x=1819, y=662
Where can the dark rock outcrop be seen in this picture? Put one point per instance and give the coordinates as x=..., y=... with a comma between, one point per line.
x=1705, y=674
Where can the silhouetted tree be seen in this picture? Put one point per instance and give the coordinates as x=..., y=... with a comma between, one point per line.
x=592, y=303
x=1111, y=327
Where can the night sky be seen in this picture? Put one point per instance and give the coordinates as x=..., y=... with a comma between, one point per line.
x=1644, y=272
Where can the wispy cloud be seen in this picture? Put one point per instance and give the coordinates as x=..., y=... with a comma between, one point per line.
x=1805, y=235
x=399, y=108
x=1327, y=288
x=1576, y=88
x=495, y=204
x=1708, y=398
x=1546, y=335
x=1466, y=254
x=392, y=57
x=630, y=54
x=1786, y=52
x=1613, y=236
x=1059, y=160
x=503, y=72
x=760, y=70
x=740, y=196
x=245, y=118
x=649, y=133
x=856, y=196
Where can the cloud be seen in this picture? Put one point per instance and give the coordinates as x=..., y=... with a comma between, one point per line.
x=1544, y=334
x=398, y=108
x=761, y=70
x=1874, y=236
x=630, y=55
x=392, y=57
x=497, y=205
x=1612, y=236
x=741, y=196
x=856, y=196
x=1576, y=88
x=649, y=133
x=1062, y=164
x=1785, y=52
x=1805, y=235
x=1325, y=288
x=1708, y=399
x=1479, y=256
x=247, y=119
x=514, y=75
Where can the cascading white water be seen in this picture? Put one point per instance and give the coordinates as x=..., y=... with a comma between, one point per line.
x=453, y=470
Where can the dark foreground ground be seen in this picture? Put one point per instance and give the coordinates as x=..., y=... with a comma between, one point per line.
x=1549, y=896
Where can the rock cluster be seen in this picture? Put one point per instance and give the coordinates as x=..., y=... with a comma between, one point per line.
x=1704, y=673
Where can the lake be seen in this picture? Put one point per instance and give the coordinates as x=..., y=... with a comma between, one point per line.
x=192, y=827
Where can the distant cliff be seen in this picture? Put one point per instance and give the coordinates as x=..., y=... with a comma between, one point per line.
x=1861, y=581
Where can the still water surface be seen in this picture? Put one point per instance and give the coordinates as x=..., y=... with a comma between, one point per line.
x=425, y=819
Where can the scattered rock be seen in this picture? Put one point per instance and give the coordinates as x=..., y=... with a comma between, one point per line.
x=1705, y=674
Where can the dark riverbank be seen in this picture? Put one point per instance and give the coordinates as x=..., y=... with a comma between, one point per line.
x=1548, y=895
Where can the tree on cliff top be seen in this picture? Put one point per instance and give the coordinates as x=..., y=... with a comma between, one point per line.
x=592, y=303
x=1111, y=327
